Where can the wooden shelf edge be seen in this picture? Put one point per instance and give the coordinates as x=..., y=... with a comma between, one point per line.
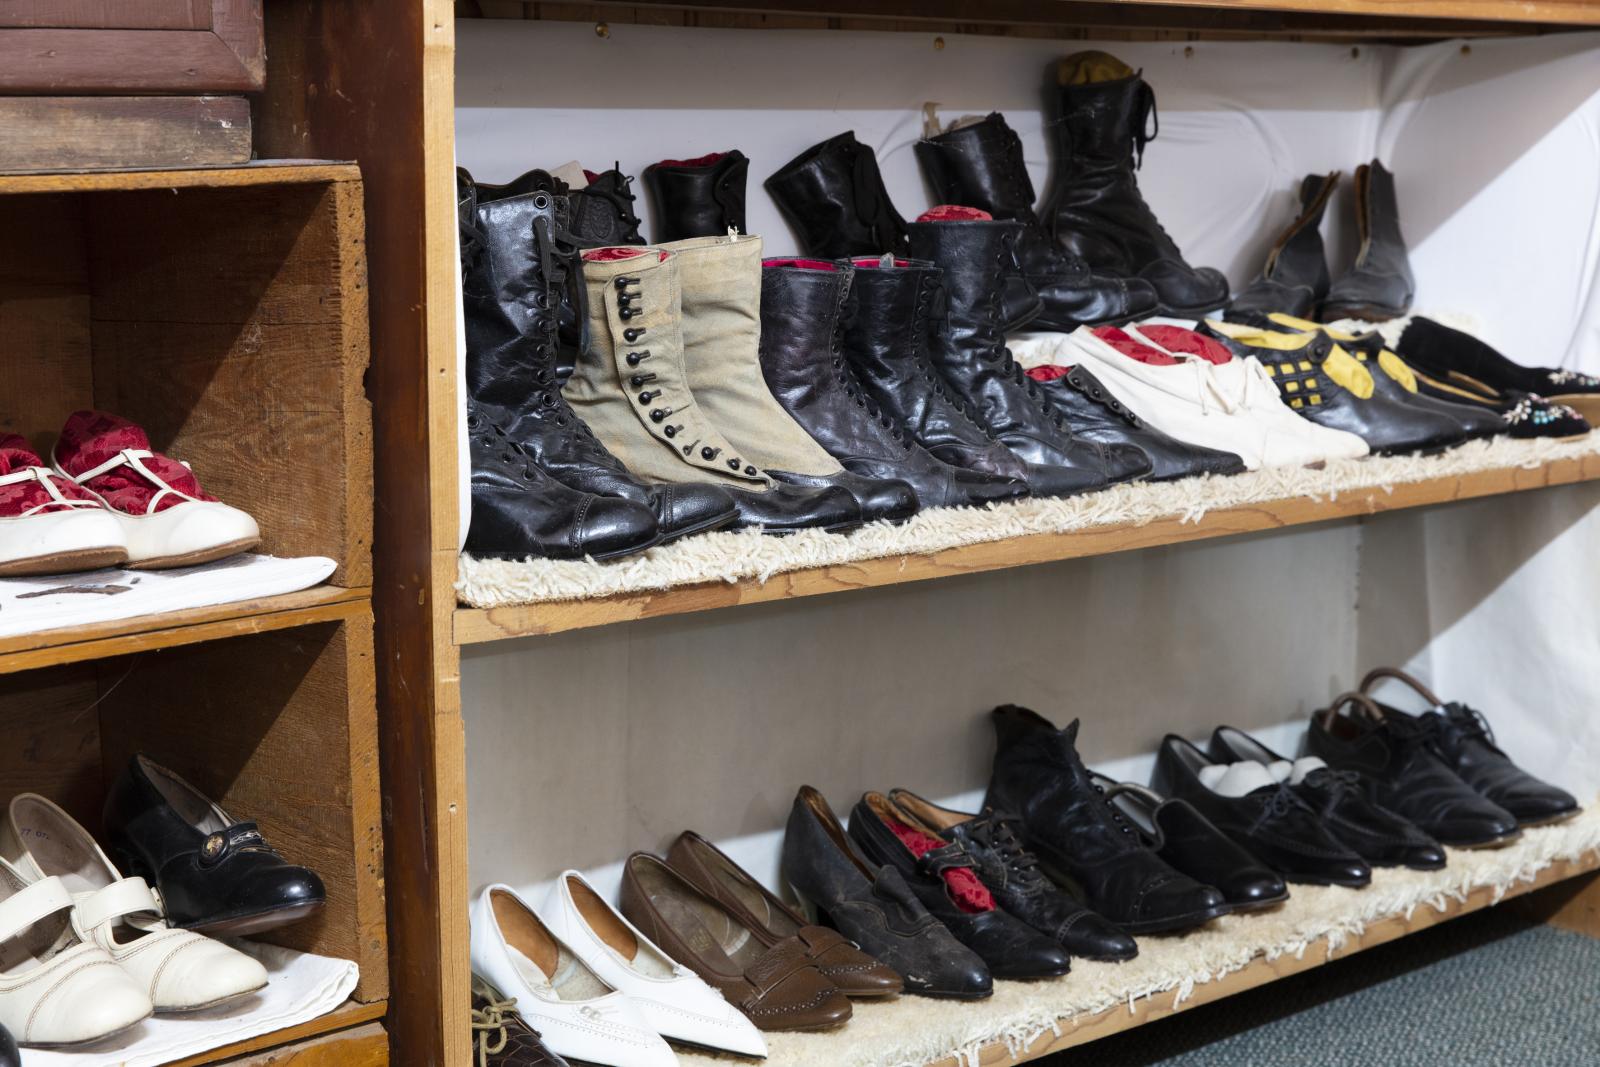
x=350, y=1015
x=1262, y=971
x=143, y=633
x=260, y=172
x=475, y=625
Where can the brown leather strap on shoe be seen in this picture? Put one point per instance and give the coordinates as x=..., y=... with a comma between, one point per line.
x=1381, y=673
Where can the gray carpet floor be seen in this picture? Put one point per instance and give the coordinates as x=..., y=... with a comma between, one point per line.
x=1488, y=990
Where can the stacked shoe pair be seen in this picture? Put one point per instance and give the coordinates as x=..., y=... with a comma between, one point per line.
x=94, y=947
x=105, y=500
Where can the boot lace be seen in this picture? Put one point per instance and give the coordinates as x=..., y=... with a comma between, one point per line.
x=557, y=250
x=1021, y=187
x=933, y=302
x=998, y=353
x=621, y=201
x=999, y=832
x=501, y=447
x=489, y=1031
x=1279, y=804
x=844, y=314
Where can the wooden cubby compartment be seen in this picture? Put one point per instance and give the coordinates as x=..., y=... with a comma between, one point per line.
x=225, y=312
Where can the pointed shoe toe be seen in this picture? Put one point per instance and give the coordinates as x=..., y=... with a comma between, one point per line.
x=1181, y=904
x=1094, y=938
x=1428, y=857
x=690, y=508
x=615, y=527
x=1040, y=959
x=963, y=977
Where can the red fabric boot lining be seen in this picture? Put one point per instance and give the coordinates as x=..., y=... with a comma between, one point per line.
x=968, y=893
x=1133, y=349
x=1049, y=373
x=954, y=213
x=877, y=261
x=590, y=176
x=1190, y=343
x=615, y=253
x=90, y=438
x=698, y=161
x=802, y=264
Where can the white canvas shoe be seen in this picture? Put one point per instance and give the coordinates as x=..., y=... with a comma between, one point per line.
x=56, y=989
x=674, y=1000
x=179, y=970
x=576, y=1013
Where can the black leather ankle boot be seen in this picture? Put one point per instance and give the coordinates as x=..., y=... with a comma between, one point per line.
x=701, y=197
x=1295, y=279
x=511, y=292
x=1094, y=207
x=1380, y=286
x=832, y=195
x=979, y=164
x=894, y=304
x=803, y=312
x=970, y=353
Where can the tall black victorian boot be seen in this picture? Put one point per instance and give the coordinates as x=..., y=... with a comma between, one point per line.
x=833, y=196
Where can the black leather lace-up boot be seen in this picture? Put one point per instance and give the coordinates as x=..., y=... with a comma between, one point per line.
x=979, y=164
x=833, y=196
x=970, y=353
x=1094, y=207
x=1379, y=286
x=511, y=292
x=1295, y=279
x=701, y=197
x=602, y=211
x=894, y=306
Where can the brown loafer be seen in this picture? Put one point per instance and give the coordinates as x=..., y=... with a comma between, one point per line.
x=772, y=982
x=840, y=960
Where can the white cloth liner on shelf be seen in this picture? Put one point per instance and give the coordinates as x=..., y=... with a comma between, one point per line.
x=301, y=987
x=28, y=605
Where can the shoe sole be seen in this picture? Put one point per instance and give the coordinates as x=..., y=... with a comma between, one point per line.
x=86, y=559
x=1198, y=312
x=191, y=559
x=1550, y=820
x=1360, y=312
x=86, y=1041
x=256, y=921
x=716, y=523
x=936, y=995
x=1259, y=905
x=1177, y=923
x=1498, y=842
x=1301, y=879
x=229, y=999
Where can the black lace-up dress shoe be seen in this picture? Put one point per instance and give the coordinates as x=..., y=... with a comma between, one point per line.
x=1261, y=815
x=1345, y=801
x=1186, y=839
x=1011, y=874
x=945, y=879
x=1085, y=844
x=1461, y=737
x=1397, y=751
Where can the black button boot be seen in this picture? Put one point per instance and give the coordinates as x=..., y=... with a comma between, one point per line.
x=971, y=354
x=803, y=308
x=1380, y=286
x=1295, y=279
x=893, y=304
x=979, y=164
x=833, y=197
x=701, y=197
x=1094, y=207
x=511, y=291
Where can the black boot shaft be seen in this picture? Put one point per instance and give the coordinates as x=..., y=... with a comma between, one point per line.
x=979, y=165
x=833, y=196
x=1295, y=278
x=1380, y=286
x=702, y=197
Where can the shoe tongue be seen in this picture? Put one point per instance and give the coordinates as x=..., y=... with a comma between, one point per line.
x=1236, y=779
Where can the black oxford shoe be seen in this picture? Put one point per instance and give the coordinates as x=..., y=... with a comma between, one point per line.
x=215, y=875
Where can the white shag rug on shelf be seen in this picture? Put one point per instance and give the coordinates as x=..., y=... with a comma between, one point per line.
x=914, y=1031
x=300, y=987
x=486, y=583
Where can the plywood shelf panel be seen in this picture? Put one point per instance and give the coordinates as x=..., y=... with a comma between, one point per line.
x=473, y=625
x=260, y=172
x=145, y=633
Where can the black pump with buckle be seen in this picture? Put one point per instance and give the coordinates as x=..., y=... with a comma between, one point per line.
x=214, y=874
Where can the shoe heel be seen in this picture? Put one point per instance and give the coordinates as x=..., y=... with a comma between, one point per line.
x=813, y=914
x=130, y=865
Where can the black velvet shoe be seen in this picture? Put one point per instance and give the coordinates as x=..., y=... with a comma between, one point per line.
x=1295, y=279
x=1460, y=359
x=1462, y=739
x=1261, y=815
x=1184, y=838
x=1084, y=843
x=945, y=879
x=214, y=874
x=1345, y=801
x=1011, y=874
x=872, y=905
x=1379, y=286
x=1094, y=414
x=1396, y=751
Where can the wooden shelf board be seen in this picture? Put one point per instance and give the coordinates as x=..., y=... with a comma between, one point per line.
x=144, y=633
x=1261, y=971
x=260, y=172
x=473, y=625
x=350, y=1015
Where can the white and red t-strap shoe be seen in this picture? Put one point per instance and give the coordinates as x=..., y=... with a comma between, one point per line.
x=167, y=519
x=47, y=524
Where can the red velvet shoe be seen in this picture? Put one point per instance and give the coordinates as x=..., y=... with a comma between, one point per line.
x=167, y=519
x=47, y=524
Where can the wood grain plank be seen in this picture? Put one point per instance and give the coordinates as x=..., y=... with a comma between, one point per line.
x=57, y=61
x=45, y=372
x=473, y=625
x=53, y=739
x=104, y=15
x=350, y=1019
x=260, y=172
x=364, y=1046
x=84, y=132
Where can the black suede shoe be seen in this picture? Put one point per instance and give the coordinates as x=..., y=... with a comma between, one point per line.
x=701, y=197
x=872, y=905
x=1345, y=801
x=1084, y=843
x=1462, y=739
x=1295, y=279
x=1094, y=414
x=944, y=878
x=1186, y=839
x=1011, y=874
x=1396, y=751
x=1461, y=360
x=1261, y=815
x=214, y=874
